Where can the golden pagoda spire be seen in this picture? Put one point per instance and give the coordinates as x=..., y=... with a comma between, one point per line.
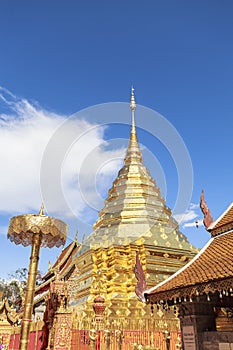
x=133, y=153
x=134, y=207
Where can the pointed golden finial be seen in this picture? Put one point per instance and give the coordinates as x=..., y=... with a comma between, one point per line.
x=41, y=212
x=132, y=107
x=133, y=153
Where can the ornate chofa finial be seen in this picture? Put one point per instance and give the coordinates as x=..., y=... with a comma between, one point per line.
x=141, y=279
x=205, y=210
x=50, y=266
x=132, y=107
x=41, y=212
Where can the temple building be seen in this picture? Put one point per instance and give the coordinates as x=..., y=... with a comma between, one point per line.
x=202, y=291
x=99, y=283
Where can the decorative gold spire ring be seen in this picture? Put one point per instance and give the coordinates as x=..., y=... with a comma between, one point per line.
x=132, y=100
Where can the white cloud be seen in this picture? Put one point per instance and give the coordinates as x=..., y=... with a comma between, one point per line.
x=196, y=223
x=87, y=176
x=194, y=206
x=25, y=130
x=190, y=217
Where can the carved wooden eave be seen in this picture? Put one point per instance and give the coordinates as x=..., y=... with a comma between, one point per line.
x=208, y=272
x=190, y=293
x=40, y=297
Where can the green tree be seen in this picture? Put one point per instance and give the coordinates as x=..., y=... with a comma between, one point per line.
x=11, y=291
x=14, y=288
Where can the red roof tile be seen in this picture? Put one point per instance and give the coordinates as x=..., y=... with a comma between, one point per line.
x=62, y=259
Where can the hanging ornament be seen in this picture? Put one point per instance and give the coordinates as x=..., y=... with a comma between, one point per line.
x=152, y=310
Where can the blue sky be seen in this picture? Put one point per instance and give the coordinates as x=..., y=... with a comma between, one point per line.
x=58, y=58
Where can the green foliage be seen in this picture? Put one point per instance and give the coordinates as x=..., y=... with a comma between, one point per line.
x=14, y=288
x=11, y=291
x=20, y=276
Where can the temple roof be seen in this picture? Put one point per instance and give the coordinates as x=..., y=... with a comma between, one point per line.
x=209, y=271
x=134, y=207
x=223, y=223
x=62, y=265
x=64, y=260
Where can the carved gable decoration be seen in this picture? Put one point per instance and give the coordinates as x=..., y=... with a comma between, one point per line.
x=8, y=316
